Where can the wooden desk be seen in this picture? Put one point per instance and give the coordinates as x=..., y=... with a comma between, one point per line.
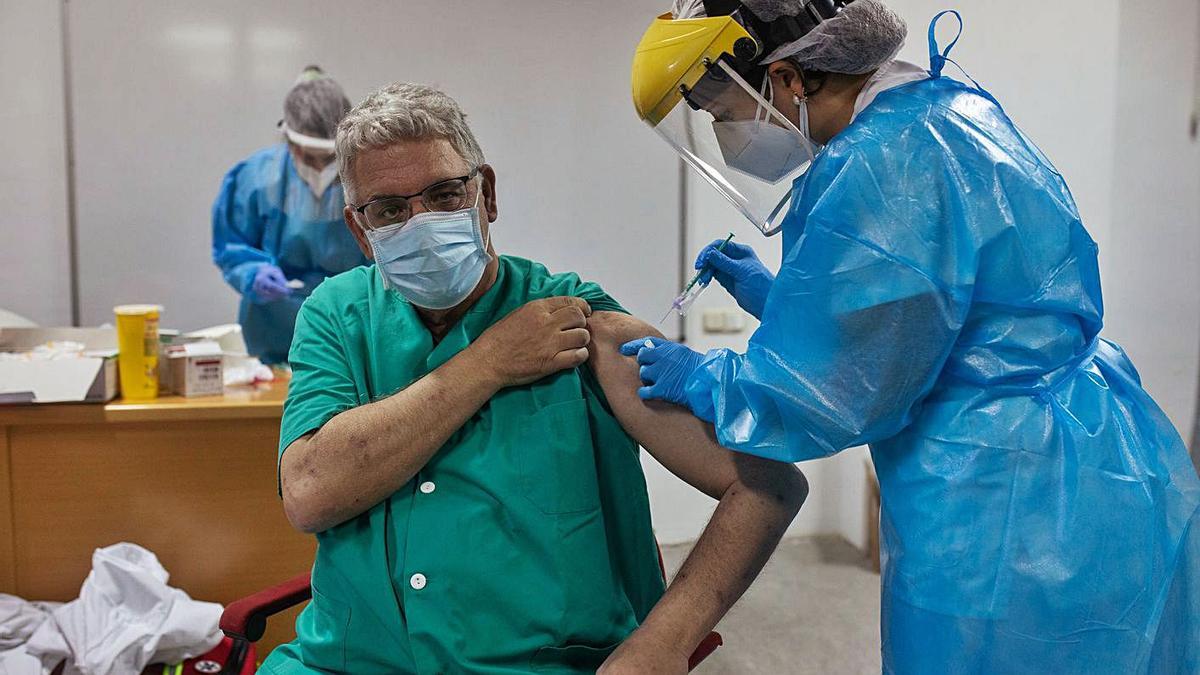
x=193, y=480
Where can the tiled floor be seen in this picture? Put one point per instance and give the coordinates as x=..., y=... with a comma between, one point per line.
x=814, y=609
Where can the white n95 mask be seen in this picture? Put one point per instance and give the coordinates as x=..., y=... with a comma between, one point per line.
x=317, y=181
x=762, y=148
x=434, y=259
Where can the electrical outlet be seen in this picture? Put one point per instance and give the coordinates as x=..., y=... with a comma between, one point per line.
x=713, y=320
x=723, y=320
x=735, y=320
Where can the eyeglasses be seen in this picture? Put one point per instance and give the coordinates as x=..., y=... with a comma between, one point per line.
x=447, y=195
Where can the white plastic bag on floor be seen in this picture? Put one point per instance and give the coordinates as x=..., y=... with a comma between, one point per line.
x=19, y=618
x=125, y=618
x=18, y=662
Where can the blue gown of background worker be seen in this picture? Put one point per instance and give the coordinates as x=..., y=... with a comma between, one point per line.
x=939, y=299
x=278, y=220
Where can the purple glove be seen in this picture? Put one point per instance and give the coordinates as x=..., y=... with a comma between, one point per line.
x=665, y=368
x=270, y=284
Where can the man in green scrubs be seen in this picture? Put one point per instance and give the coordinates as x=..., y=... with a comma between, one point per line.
x=461, y=435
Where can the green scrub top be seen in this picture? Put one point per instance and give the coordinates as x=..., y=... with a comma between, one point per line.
x=524, y=545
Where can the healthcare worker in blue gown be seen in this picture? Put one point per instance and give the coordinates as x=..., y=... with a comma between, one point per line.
x=939, y=300
x=277, y=223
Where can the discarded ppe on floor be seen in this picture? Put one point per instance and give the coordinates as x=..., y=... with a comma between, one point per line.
x=125, y=618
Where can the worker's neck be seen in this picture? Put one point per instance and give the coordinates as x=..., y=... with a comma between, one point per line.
x=832, y=110
x=440, y=321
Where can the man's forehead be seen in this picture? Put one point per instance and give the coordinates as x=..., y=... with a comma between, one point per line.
x=407, y=166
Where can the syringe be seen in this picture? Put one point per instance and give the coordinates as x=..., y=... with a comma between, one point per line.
x=693, y=289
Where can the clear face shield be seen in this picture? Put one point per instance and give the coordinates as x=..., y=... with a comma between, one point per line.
x=736, y=139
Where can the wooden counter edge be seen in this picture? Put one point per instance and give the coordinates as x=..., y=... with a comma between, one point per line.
x=265, y=403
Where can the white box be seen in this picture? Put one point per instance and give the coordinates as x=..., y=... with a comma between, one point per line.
x=196, y=369
x=90, y=378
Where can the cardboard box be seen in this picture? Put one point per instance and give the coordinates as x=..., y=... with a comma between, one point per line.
x=195, y=369
x=166, y=339
x=90, y=378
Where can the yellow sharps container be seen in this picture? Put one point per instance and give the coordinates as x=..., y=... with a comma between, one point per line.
x=137, y=341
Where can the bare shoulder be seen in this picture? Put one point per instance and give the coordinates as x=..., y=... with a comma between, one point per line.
x=617, y=328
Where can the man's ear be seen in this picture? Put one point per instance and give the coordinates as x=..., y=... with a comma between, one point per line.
x=360, y=237
x=490, y=204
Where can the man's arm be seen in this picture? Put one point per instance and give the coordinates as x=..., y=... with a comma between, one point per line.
x=758, y=500
x=363, y=455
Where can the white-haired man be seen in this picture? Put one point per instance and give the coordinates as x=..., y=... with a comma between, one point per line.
x=462, y=436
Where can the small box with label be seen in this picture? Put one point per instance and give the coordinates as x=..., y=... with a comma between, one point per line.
x=196, y=369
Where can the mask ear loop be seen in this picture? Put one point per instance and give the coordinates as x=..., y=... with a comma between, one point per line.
x=479, y=216
x=769, y=108
x=766, y=91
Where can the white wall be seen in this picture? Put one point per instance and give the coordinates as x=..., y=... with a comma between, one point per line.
x=1152, y=267
x=1051, y=65
x=34, y=266
x=190, y=88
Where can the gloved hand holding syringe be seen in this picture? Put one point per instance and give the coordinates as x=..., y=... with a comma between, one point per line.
x=693, y=289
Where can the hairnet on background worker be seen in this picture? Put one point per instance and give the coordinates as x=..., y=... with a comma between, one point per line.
x=939, y=299
x=278, y=229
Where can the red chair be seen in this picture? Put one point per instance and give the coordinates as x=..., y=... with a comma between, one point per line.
x=245, y=620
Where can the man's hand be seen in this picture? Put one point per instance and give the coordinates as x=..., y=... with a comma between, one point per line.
x=320, y=474
x=538, y=339
x=641, y=656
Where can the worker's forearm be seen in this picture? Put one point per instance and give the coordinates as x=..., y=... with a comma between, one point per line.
x=365, y=454
x=739, y=539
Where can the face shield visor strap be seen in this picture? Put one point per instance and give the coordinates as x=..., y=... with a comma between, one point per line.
x=322, y=145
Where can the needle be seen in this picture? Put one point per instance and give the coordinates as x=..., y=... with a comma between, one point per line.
x=677, y=305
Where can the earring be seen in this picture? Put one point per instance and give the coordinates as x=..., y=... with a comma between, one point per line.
x=796, y=99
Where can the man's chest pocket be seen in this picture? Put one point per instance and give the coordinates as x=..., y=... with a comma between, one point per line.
x=557, y=459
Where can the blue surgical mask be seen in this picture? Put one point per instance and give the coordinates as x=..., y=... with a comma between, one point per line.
x=434, y=259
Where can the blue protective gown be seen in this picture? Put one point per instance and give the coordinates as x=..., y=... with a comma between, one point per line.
x=939, y=300
x=266, y=214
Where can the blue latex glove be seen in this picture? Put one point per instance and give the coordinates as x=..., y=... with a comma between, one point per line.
x=739, y=270
x=665, y=368
x=270, y=284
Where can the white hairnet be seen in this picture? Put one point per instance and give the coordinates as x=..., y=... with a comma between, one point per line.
x=688, y=9
x=315, y=104
x=865, y=35
x=769, y=10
